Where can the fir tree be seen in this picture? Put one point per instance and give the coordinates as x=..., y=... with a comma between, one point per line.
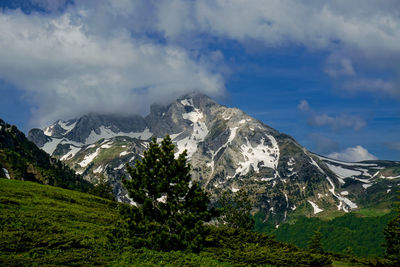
x=235, y=210
x=170, y=210
x=315, y=245
x=102, y=189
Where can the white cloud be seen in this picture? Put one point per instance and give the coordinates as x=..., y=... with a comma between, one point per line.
x=334, y=122
x=375, y=86
x=364, y=24
x=67, y=70
x=353, y=154
x=120, y=56
x=358, y=34
x=339, y=67
x=337, y=122
x=303, y=105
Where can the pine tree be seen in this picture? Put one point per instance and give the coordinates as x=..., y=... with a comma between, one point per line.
x=170, y=209
x=315, y=245
x=235, y=210
x=102, y=189
x=392, y=238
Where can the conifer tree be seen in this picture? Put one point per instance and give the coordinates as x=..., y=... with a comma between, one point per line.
x=315, y=245
x=170, y=209
x=102, y=189
x=392, y=238
x=235, y=211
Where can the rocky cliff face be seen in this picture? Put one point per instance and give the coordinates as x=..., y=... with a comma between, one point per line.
x=227, y=149
x=20, y=159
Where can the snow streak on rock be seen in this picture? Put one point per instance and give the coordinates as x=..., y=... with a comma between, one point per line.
x=6, y=173
x=107, y=133
x=315, y=207
x=71, y=153
x=261, y=153
x=89, y=158
x=200, y=130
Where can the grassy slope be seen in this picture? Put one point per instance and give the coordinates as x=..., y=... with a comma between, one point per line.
x=45, y=225
x=51, y=225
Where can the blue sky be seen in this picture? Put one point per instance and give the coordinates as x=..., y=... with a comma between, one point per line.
x=326, y=72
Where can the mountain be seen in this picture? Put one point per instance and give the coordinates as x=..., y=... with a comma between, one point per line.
x=21, y=159
x=228, y=150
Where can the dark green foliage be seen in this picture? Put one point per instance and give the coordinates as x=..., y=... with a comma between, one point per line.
x=235, y=210
x=245, y=248
x=102, y=189
x=363, y=234
x=25, y=161
x=170, y=211
x=392, y=238
x=315, y=245
x=146, y=257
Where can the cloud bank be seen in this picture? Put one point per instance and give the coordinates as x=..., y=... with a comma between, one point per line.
x=334, y=122
x=120, y=56
x=352, y=154
x=67, y=71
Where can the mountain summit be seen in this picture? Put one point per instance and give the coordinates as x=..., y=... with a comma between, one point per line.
x=228, y=150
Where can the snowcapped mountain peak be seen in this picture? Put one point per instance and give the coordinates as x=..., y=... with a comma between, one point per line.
x=227, y=149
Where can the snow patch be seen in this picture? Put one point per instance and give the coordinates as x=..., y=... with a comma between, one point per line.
x=91, y=146
x=366, y=185
x=107, y=133
x=49, y=130
x=200, y=131
x=187, y=102
x=6, y=173
x=342, y=172
x=119, y=167
x=70, y=153
x=162, y=199
x=49, y=147
x=107, y=145
x=389, y=177
x=89, y=158
x=267, y=179
x=345, y=200
x=67, y=127
x=347, y=163
x=315, y=164
x=261, y=153
x=315, y=207
x=234, y=190
x=98, y=169
x=291, y=162
x=124, y=153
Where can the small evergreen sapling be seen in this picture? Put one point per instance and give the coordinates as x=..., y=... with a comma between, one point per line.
x=315, y=245
x=235, y=210
x=170, y=210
